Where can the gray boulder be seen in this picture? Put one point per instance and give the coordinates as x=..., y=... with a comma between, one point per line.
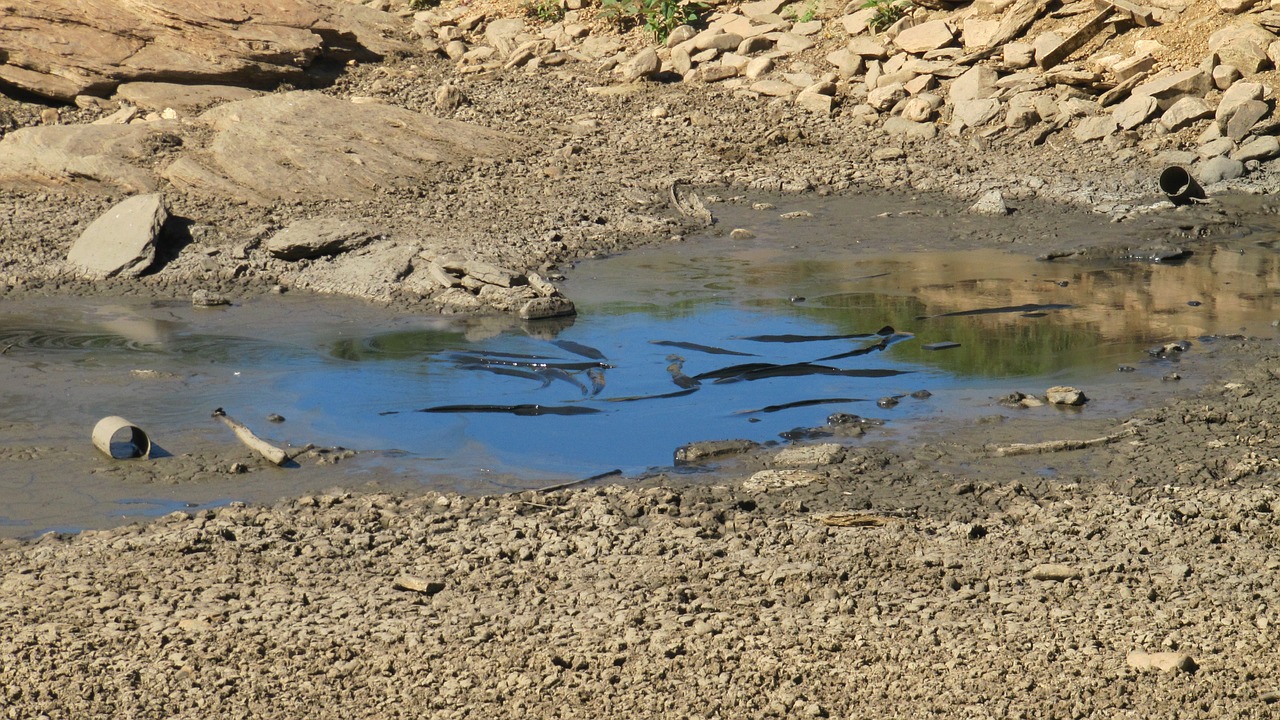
x=317, y=237
x=123, y=240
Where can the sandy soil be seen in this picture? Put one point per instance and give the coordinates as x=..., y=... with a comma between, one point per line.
x=969, y=585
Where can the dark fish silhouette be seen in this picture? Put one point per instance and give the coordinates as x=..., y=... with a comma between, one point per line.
x=523, y=409
x=508, y=371
x=558, y=374
x=1028, y=308
x=585, y=351
x=633, y=398
x=710, y=350
x=761, y=371
x=874, y=347
x=799, y=404
x=535, y=364
x=882, y=332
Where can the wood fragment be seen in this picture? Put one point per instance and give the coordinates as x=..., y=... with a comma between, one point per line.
x=276, y=455
x=1140, y=14
x=1121, y=91
x=1049, y=446
x=1077, y=39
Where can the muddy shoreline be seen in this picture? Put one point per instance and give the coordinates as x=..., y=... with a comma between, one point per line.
x=968, y=584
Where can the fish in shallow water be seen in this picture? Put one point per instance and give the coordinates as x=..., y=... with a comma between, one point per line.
x=1028, y=308
x=585, y=351
x=523, y=409
x=710, y=350
x=882, y=332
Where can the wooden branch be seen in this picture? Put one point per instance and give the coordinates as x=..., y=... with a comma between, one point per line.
x=1057, y=445
x=276, y=455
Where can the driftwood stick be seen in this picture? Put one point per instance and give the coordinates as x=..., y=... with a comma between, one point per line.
x=276, y=455
x=1057, y=445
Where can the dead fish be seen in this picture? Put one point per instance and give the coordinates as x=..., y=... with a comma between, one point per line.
x=762, y=371
x=676, y=369
x=496, y=354
x=535, y=364
x=874, y=347
x=558, y=374
x=633, y=398
x=508, y=371
x=585, y=351
x=710, y=350
x=522, y=409
x=596, y=375
x=886, y=330
x=1028, y=308
x=798, y=404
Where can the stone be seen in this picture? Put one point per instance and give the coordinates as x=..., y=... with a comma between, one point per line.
x=857, y=23
x=991, y=204
x=680, y=35
x=814, y=101
x=1131, y=67
x=926, y=36
x=1168, y=89
x=790, y=43
x=1053, y=572
x=719, y=41
x=1134, y=111
x=449, y=97
x=754, y=45
x=187, y=41
x=917, y=110
x=716, y=73
x=1021, y=117
x=1019, y=55
x=546, y=307
x=1224, y=76
x=1236, y=96
x=810, y=455
x=422, y=586
x=1216, y=147
x=898, y=125
x=1065, y=395
x=643, y=66
x=1263, y=148
x=975, y=113
x=490, y=274
x=1044, y=44
x=976, y=83
x=920, y=84
x=1218, y=169
x=774, y=88
x=110, y=159
x=1242, y=44
x=306, y=145
x=847, y=63
x=122, y=241
x=1185, y=112
x=977, y=32
x=318, y=237
x=1161, y=661
x=186, y=99
x=767, y=480
x=712, y=450
x=500, y=34
x=1235, y=7
x=208, y=298
x=757, y=68
x=866, y=47
x=1244, y=118
x=883, y=98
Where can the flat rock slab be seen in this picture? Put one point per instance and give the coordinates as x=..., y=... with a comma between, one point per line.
x=64, y=48
x=317, y=237
x=185, y=99
x=308, y=146
x=123, y=240
x=106, y=159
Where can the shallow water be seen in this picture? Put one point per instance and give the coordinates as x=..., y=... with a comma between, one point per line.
x=599, y=392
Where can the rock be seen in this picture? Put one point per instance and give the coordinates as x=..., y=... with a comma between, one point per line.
x=643, y=66
x=1224, y=76
x=501, y=34
x=309, y=146
x=1168, y=89
x=857, y=23
x=866, y=47
x=978, y=82
x=790, y=43
x=186, y=99
x=318, y=237
x=1184, y=112
x=449, y=97
x=413, y=583
x=917, y=110
x=774, y=88
x=1218, y=169
x=122, y=241
x=119, y=41
x=755, y=45
x=1021, y=117
x=810, y=455
x=1235, y=97
x=1244, y=119
x=922, y=38
x=1053, y=572
x=848, y=64
x=491, y=274
x=1134, y=111
x=716, y=73
x=208, y=298
x=91, y=158
x=978, y=32
x=767, y=480
x=719, y=41
x=883, y=98
x=1243, y=44
x=1161, y=661
x=1019, y=55
x=681, y=34
x=546, y=307
x=712, y=450
x=991, y=203
x=898, y=125
x=1235, y=7
x=1134, y=66
x=1065, y=395
x=758, y=67
x=1214, y=148
x=1263, y=148
x=975, y=113
x=816, y=101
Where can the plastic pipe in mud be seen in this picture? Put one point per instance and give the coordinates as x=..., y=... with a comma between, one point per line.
x=109, y=437
x=1182, y=189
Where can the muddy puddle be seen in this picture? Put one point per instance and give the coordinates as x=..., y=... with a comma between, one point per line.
x=707, y=339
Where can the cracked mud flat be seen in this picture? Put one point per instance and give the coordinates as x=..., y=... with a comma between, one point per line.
x=986, y=587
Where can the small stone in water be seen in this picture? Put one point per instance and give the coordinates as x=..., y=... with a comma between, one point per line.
x=1169, y=377
x=887, y=402
x=1126, y=368
x=922, y=395
x=275, y=418
x=1193, y=303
